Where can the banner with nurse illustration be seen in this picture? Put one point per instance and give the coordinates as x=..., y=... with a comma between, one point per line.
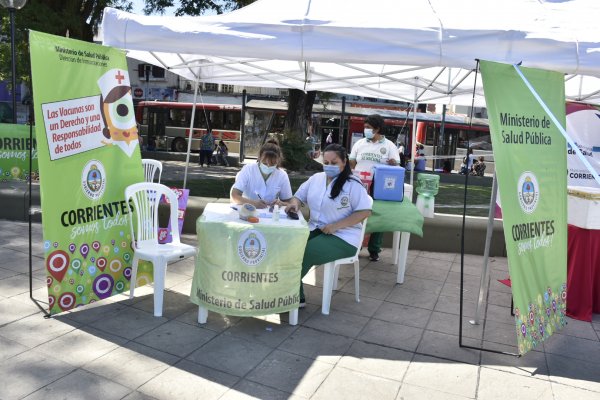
x=88, y=153
x=531, y=161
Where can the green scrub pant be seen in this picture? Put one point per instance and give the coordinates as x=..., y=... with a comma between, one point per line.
x=321, y=249
x=375, y=242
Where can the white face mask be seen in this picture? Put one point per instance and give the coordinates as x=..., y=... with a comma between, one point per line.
x=265, y=169
x=369, y=133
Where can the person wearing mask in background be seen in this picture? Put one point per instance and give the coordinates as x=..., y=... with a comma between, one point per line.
x=338, y=203
x=369, y=151
x=262, y=183
x=207, y=145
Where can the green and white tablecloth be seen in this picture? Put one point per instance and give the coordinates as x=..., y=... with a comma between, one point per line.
x=393, y=216
x=247, y=269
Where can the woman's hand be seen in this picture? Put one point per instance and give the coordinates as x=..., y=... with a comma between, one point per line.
x=260, y=204
x=280, y=203
x=329, y=229
x=291, y=206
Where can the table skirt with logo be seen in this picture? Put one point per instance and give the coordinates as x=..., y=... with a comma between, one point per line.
x=247, y=269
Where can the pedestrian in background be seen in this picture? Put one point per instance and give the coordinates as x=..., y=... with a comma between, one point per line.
x=207, y=145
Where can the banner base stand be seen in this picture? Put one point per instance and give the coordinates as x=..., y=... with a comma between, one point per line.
x=490, y=228
x=32, y=211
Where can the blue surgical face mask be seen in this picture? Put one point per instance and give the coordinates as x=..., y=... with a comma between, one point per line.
x=369, y=133
x=265, y=169
x=331, y=170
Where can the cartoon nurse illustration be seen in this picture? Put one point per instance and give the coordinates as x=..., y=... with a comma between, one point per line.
x=116, y=104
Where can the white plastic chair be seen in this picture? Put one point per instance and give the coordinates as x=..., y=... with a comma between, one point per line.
x=150, y=168
x=331, y=273
x=146, y=197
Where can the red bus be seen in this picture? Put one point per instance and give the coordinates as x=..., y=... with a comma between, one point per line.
x=165, y=125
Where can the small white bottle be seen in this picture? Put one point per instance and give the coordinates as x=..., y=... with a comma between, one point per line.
x=276, y=213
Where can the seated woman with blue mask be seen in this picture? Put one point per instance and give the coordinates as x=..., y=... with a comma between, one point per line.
x=263, y=183
x=338, y=203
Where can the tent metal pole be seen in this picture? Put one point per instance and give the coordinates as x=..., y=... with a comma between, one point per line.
x=187, y=156
x=243, y=125
x=342, y=117
x=483, y=284
x=413, y=143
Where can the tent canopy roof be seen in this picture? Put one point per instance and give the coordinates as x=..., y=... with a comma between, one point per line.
x=422, y=50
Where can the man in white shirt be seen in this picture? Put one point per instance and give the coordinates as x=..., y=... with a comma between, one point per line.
x=369, y=151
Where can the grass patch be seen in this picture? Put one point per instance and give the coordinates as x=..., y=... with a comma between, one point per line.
x=449, y=200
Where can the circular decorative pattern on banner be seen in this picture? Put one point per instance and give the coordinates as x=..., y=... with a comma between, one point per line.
x=528, y=192
x=116, y=250
x=56, y=288
x=84, y=249
x=112, y=242
x=101, y=263
x=127, y=257
x=91, y=270
x=51, y=301
x=49, y=281
x=55, y=244
x=79, y=289
x=57, y=263
x=96, y=245
x=127, y=273
x=76, y=264
x=123, y=244
x=72, y=248
x=115, y=265
x=121, y=233
x=120, y=286
x=47, y=245
x=93, y=259
x=66, y=301
x=103, y=285
x=71, y=281
x=106, y=249
x=142, y=281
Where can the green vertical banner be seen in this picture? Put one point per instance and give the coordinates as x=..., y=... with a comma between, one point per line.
x=88, y=153
x=14, y=153
x=530, y=158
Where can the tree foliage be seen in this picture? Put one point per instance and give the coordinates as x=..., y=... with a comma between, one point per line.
x=80, y=19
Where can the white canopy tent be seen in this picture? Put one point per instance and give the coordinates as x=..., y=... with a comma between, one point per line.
x=417, y=51
x=421, y=51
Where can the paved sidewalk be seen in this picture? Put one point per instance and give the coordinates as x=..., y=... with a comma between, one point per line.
x=399, y=342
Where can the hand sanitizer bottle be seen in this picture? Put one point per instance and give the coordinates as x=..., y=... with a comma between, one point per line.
x=276, y=213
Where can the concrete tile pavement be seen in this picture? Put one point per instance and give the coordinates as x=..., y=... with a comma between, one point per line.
x=400, y=342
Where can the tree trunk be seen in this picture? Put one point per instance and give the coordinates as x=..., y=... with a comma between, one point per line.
x=299, y=112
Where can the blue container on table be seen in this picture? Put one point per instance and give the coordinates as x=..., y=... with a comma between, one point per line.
x=388, y=182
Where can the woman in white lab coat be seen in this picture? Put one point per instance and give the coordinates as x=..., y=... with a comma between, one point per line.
x=338, y=203
x=262, y=183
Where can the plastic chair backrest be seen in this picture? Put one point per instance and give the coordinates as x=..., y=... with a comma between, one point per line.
x=146, y=199
x=150, y=168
